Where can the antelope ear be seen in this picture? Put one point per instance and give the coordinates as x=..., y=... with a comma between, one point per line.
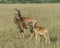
x=15, y=13
x=15, y=9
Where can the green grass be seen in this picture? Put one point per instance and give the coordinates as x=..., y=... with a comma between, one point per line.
x=47, y=15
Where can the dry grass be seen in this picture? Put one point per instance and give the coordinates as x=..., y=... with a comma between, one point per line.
x=47, y=15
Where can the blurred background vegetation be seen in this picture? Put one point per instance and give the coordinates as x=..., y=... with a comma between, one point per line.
x=29, y=1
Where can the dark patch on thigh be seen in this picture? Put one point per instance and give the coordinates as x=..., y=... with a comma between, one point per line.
x=30, y=24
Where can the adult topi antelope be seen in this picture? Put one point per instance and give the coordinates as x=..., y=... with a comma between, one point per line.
x=24, y=22
x=41, y=31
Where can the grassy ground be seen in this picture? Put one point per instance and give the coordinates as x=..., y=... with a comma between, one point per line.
x=47, y=15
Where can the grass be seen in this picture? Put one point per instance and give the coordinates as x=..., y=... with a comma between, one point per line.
x=47, y=15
